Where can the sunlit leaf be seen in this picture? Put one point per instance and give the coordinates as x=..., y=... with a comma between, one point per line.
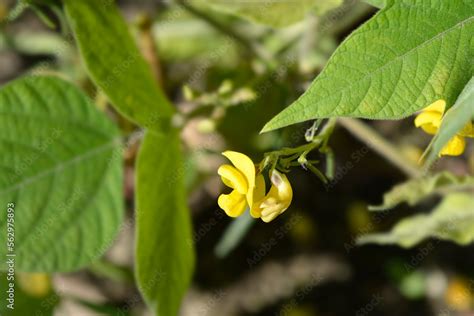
x=384, y=71
x=415, y=190
x=452, y=219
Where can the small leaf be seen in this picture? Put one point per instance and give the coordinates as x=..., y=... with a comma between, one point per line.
x=452, y=219
x=415, y=190
x=276, y=13
x=455, y=119
x=164, y=250
x=410, y=54
x=62, y=170
x=115, y=64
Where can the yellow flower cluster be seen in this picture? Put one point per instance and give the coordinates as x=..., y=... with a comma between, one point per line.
x=430, y=121
x=249, y=190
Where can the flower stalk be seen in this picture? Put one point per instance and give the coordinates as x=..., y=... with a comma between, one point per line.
x=247, y=180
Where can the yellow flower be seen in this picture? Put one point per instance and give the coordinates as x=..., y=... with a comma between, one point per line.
x=454, y=147
x=430, y=120
x=459, y=294
x=248, y=189
x=34, y=284
x=246, y=184
x=278, y=199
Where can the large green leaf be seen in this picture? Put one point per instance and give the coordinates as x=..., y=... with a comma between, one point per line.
x=408, y=55
x=164, y=251
x=115, y=64
x=415, y=190
x=62, y=168
x=455, y=119
x=276, y=13
x=452, y=219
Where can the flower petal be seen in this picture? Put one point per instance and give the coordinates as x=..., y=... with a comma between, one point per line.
x=468, y=130
x=258, y=195
x=245, y=165
x=454, y=147
x=429, y=121
x=278, y=198
x=437, y=106
x=233, y=178
x=233, y=204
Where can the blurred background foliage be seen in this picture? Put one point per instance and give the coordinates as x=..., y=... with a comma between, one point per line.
x=304, y=263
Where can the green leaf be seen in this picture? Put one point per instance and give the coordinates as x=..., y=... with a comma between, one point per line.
x=455, y=119
x=415, y=190
x=62, y=168
x=115, y=64
x=452, y=219
x=407, y=56
x=274, y=13
x=164, y=250
x=376, y=3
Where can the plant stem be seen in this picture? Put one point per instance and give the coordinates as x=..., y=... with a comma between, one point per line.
x=274, y=157
x=148, y=48
x=372, y=139
x=111, y=271
x=321, y=138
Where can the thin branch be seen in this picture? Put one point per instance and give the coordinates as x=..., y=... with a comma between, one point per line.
x=384, y=148
x=148, y=47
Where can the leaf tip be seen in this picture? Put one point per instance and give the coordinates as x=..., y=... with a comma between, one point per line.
x=266, y=128
x=274, y=124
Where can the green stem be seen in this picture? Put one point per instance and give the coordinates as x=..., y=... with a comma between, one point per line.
x=318, y=173
x=384, y=148
x=275, y=157
x=111, y=271
x=317, y=141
